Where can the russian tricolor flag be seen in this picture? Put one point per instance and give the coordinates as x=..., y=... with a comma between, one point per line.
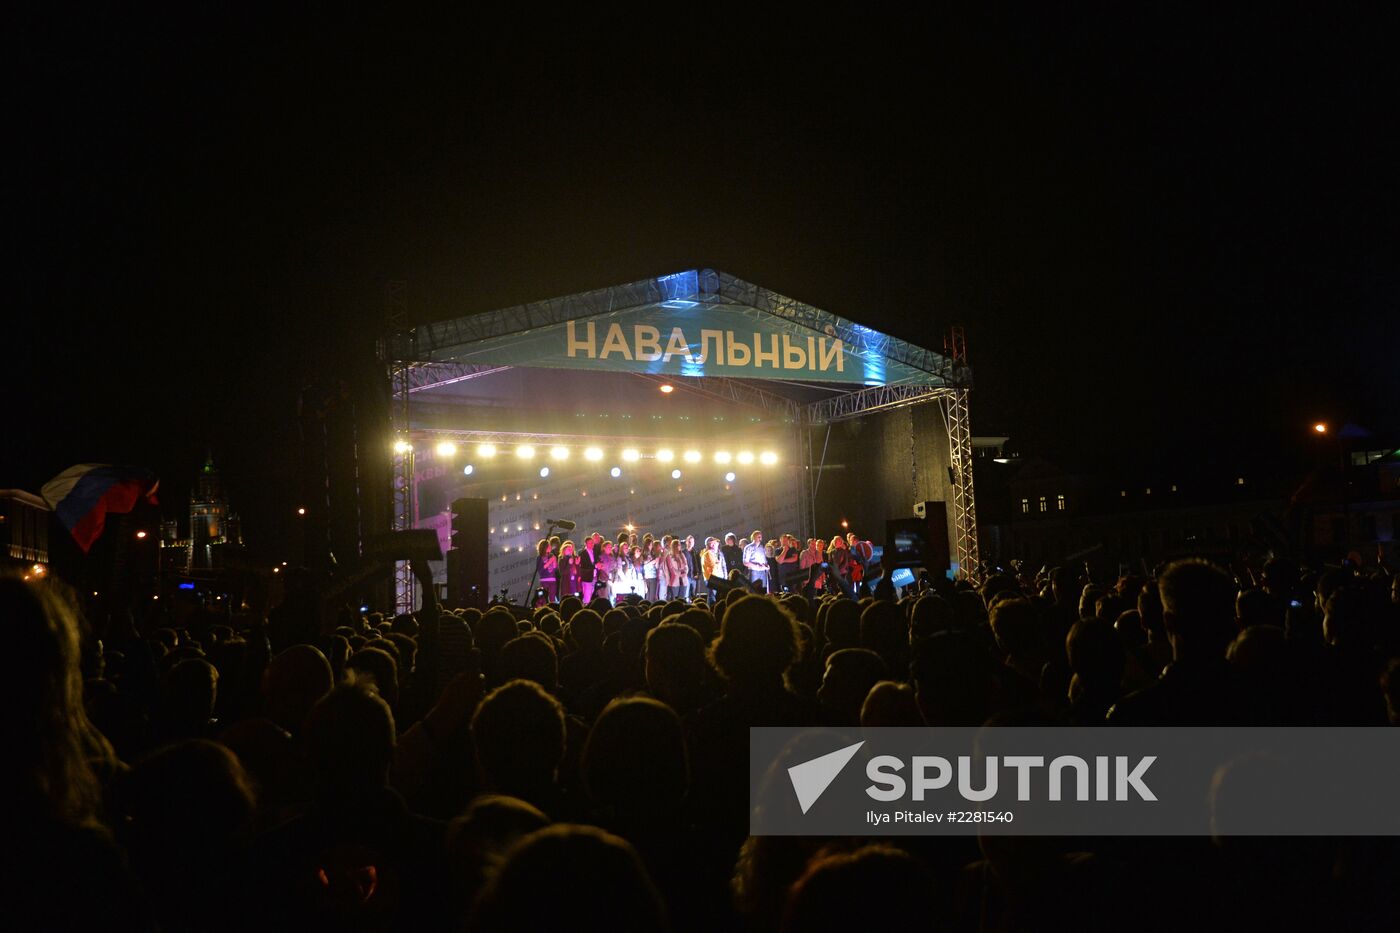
x=82, y=496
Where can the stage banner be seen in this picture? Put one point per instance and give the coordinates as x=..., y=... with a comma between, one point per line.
x=695, y=338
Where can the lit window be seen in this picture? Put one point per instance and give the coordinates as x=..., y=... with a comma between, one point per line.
x=1042, y=504
x=1060, y=503
x=1025, y=505
x=1149, y=490
x=1239, y=481
x=1173, y=487
x=1123, y=493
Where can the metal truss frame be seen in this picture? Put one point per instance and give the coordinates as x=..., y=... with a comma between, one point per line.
x=425, y=376
x=870, y=400
x=438, y=341
x=959, y=420
x=402, y=469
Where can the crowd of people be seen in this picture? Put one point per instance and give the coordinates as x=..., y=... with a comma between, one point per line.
x=584, y=766
x=673, y=567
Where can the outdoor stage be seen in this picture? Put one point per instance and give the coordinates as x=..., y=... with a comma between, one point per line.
x=693, y=403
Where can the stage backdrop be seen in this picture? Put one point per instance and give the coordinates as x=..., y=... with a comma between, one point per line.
x=701, y=503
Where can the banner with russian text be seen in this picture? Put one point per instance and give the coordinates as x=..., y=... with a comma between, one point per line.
x=697, y=338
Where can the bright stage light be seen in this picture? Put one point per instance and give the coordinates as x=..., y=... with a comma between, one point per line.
x=1320, y=428
x=675, y=474
x=559, y=453
x=140, y=534
x=745, y=457
x=768, y=458
x=446, y=449
x=486, y=450
x=692, y=456
x=667, y=389
x=631, y=455
x=729, y=477
x=593, y=453
x=525, y=452
x=665, y=455
x=468, y=470
x=723, y=456
x=301, y=511
x=615, y=472
x=402, y=447
x=544, y=472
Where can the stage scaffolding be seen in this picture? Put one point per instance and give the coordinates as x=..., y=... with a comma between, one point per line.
x=430, y=356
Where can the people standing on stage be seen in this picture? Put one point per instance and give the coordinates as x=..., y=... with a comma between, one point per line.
x=627, y=575
x=603, y=569
x=548, y=566
x=712, y=565
x=788, y=556
x=860, y=553
x=733, y=554
x=771, y=553
x=839, y=559
x=587, y=566
x=812, y=559
x=568, y=570
x=692, y=566
x=756, y=562
x=677, y=572
x=651, y=569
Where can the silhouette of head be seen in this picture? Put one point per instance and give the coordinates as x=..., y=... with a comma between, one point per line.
x=293, y=682
x=757, y=642
x=519, y=734
x=1198, y=608
x=877, y=887
x=530, y=657
x=47, y=738
x=1095, y=655
x=586, y=630
x=635, y=758
x=378, y=667
x=953, y=680
x=675, y=660
x=595, y=882
x=850, y=673
x=349, y=740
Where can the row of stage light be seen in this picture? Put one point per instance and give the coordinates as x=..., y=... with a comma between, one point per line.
x=449, y=449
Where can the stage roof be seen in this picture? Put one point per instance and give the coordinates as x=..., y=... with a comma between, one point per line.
x=701, y=324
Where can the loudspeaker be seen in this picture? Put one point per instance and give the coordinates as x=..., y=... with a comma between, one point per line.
x=921, y=541
x=467, y=561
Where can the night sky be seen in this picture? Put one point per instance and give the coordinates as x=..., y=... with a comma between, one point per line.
x=1171, y=240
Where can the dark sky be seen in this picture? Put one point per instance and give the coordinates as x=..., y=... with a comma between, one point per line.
x=1170, y=239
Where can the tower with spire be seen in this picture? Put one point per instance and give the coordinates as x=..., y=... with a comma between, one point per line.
x=208, y=516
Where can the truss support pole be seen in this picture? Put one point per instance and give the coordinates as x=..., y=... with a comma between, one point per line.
x=400, y=387
x=404, y=595
x=806, y=517
x=955, y=409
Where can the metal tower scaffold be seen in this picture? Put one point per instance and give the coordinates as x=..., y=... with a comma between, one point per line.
x=955, y=410
x=400, y=385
